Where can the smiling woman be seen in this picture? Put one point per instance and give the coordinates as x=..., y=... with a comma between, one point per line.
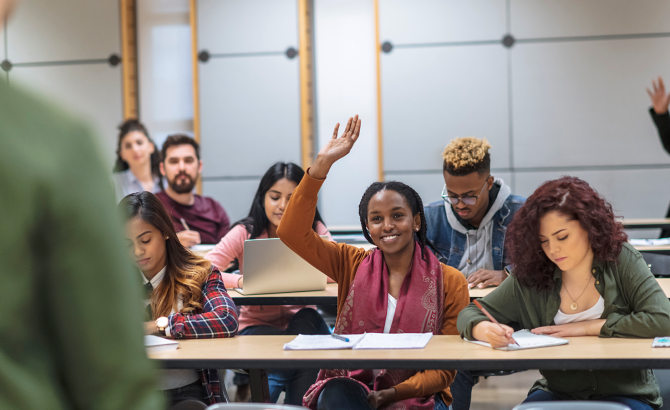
x=399, y=287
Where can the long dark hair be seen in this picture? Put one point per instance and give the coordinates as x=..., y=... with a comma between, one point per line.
x=257, y=221
x=126, y=128
x=575, y=199
x=413, y=200
x=185, y=273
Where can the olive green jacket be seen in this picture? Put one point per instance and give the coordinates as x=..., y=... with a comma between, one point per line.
x=71, y=335
x=635, y=306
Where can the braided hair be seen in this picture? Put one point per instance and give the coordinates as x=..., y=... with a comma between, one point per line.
x=413, y=200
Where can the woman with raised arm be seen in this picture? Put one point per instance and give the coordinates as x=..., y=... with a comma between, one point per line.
x=398, y=287
x=575, y=275
x=185, y=296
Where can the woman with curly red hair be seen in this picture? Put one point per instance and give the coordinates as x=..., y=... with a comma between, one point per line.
x=574, y=274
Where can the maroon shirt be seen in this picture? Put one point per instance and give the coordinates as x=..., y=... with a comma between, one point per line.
x=205, y=216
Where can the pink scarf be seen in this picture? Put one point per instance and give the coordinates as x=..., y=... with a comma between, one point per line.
x=419, y=310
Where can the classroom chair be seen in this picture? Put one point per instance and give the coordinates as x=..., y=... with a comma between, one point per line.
x=189, y=405
x=659, y=264
x=572, y=405
x=255, y=406
x=663, y=378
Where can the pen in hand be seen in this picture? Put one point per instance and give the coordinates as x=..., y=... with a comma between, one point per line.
x=492, y=319
x=183, y=222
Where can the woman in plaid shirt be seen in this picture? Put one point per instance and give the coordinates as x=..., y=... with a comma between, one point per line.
x=182, y=289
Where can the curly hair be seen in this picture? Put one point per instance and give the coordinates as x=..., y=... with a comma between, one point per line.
x=466, y=155
x=413, y=200
x=575, y=199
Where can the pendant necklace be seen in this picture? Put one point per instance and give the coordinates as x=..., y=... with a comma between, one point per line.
x=573, y=306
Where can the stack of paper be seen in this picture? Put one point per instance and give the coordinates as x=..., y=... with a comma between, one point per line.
x=155, y=344
x=365, y=341
x=527, y=340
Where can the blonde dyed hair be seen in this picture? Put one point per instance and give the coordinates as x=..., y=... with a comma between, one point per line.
x=465, y=155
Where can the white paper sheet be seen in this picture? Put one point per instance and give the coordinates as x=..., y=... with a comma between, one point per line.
x=527, y=340
x=321, y=342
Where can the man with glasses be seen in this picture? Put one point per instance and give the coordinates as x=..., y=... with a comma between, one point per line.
x=467, y=228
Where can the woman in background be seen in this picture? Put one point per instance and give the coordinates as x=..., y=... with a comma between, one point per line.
x=575, y=275
x=185, y=297
x=267, y=208
x=137, y=161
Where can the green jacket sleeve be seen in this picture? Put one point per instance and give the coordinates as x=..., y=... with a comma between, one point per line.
x=91, y=299
x=503, y=304
x=649, y=306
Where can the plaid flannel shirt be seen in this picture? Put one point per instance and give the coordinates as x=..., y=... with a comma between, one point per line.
x=217, y=319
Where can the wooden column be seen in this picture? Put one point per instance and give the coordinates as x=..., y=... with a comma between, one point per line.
x=380, y=134
x=193, y=19
x=306, y=59
x=129, y=58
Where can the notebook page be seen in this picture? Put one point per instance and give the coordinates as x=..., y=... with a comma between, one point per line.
x=394, y=341
x=527, y=340
x=321, y=342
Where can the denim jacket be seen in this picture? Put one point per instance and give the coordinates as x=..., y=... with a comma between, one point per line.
x=449, y=245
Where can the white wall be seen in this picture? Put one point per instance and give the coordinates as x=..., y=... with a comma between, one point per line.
x=60, y=51
x=345, y=86
x=567, y=99
x=165, y=71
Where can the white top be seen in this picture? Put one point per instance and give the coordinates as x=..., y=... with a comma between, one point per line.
x=170, y=378
x=390, y=312
x=125, y=183
x=595, y=312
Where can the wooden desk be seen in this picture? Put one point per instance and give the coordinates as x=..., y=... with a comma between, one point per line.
x=646, y=223
x=442, y=352
x=665, y=249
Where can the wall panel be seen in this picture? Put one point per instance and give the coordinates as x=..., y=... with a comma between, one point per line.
x=250, y=114
x=433, y=95
x=584, y=103
x=92, y=92
x=233, y=26
x=47, y=30
x=234, y=196
x=567, y=18
x=431, y=21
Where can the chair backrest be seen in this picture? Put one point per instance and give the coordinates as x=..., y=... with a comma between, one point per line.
x=659, y=264
x=572, y=405
x=253, y=406
x=189, y=404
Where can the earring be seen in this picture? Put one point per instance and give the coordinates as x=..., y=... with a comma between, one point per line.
x=417, y=229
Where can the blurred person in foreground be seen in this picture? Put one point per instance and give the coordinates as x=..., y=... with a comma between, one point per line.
x=70, y=335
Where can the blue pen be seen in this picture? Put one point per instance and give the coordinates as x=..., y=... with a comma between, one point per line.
x=338, y=337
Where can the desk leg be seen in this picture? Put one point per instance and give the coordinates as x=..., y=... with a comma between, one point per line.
x=258, y=382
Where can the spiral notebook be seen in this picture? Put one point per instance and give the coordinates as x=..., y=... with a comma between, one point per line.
x=528, y=340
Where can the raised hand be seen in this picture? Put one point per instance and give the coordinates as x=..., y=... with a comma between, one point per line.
x=659, y=99
x=336, y=148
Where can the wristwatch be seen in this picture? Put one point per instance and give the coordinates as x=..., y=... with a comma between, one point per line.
x=161, y=324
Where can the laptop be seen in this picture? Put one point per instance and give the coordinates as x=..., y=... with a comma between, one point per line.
x=271, y=267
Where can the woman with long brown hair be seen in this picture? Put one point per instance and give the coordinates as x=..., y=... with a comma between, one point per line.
x=185, y=297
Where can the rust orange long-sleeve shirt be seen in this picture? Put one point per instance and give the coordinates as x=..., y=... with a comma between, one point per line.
x=340, y=262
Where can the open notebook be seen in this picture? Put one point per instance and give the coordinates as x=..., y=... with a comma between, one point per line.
x=364, y=341
x=528, y=340
x=155, y=344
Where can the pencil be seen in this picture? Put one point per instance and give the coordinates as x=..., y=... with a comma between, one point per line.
x=183, y=222
x=491, y=318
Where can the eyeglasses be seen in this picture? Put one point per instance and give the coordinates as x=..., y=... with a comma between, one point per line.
x=467, y=200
